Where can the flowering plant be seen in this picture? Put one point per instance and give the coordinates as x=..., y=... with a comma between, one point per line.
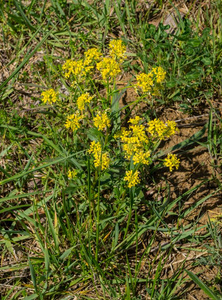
x=91, y=112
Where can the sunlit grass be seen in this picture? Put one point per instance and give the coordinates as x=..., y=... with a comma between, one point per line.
x=87, y=206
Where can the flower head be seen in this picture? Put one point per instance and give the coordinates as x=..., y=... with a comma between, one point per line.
x=130, y=147
x=117, y=50
x=141, y=157
x=157, y=129
x=84, y=98
x=72, y=121
x=72, y=67
x=100, y=159
x=159, y=74
x=132, y=178
x=108, y=67
x=101, y=121
x=161, y=130
x=171, y=128
x=49, y=96
x=134, y=142
x=172, y=161
x=95, y=147
x=145, y=82
x=139, y=133
x=91, y=55
x=72, y=174
x=135, y=120
x=76, y=68
x=104, y=161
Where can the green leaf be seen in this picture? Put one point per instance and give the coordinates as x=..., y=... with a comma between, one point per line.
x=52, y=229
x=33, y=296
x=94, y=134
x=24, y=17
x=66, y=253
x=203, y=286
x=32, y=271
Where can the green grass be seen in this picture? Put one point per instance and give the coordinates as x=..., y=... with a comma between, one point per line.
x=92, y=237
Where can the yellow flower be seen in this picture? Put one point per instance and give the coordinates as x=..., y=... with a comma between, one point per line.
x=91, y=55
x=49, y=96
x=159, y=73
x=72, y=67
x=101, y=121
x=132, y=178
x=141, y=157
x=117, y=50
x=139, y=132
x=135, y=120
x=134, y=140
x=130, y=147
x=171, y=128
x=72, y=174
x=95, y=147
x=100, y=160
x=72, y=121
x=76, y=68
x=108, y=67
x=122, y=133
x=145, y=82
x=172, y=161
x=84, y=98
x=158, y=129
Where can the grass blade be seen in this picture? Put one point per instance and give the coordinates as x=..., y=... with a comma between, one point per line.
x=33, y=275
x=26, y=20
x=203, y=286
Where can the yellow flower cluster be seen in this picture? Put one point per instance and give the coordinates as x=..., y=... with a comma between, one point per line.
x=171, y=128
x=141, y=157
x=100, y=160
x=73, y=67
x=161, y=130
x=134, y=141
x=146, y=82
x=135, y=120
x=49, y=96
x=72, y=174
x=101, y=121
x=82, y=100
x=91, y=55
x=77, y=68
x=159, y=73
x=72, y=121
x=172, y=161
x=108, y=67
x=132, y=178
x=117, y=50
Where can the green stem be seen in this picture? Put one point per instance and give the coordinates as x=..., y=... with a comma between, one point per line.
x=108, y=93
x=120, y=203
x=130, y=212
x=90, y=109
x=97, y=218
